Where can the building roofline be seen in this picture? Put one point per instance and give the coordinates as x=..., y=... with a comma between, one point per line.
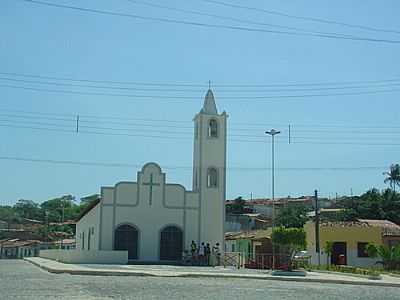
x=87, y=209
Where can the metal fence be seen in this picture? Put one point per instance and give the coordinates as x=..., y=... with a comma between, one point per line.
x=243, y=260
x=233, y=259
x=255, y=261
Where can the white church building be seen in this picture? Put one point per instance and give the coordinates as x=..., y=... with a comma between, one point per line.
x=155, y=220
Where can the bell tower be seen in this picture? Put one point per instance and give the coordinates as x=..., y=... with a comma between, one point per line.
x=209, y=170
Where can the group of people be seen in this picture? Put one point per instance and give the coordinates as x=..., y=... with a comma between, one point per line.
x=204, y=255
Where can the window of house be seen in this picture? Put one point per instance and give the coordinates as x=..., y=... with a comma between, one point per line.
x=89, y=238
x=362, y=249
x=196, y=131
x=213, y=128
x=212, y=178
x=233, y=247
x=393, y=243
x=83, y=240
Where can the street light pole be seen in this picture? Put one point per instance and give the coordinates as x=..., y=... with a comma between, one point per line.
x=272, y=133
x=62, y=222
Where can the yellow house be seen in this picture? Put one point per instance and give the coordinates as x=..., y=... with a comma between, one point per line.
x=350, y=240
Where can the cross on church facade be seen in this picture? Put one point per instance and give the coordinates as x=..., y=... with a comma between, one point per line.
x=151, y=184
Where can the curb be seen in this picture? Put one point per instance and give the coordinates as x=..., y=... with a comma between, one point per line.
x=205, y=275
x=347, y=274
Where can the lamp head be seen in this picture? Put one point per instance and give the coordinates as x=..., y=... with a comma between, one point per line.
x=272, y=132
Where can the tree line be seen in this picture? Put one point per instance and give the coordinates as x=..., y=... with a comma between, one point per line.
x=55, y=210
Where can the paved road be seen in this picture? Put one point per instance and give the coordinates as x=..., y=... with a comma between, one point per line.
x=22, y=280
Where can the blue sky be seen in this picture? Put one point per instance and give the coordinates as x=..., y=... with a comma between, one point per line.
x=336, y=131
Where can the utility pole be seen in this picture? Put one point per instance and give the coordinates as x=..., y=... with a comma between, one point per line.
x=317, y=246
x=46, y=215
x=77, y=123
x=62, y=222
x=272, y=133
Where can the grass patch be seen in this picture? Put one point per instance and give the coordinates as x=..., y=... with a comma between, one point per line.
x=346, y=269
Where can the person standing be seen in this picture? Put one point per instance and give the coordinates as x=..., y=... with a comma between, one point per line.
x=208, y=254
x=201, y=253
x=193, y=251
x=217, y=253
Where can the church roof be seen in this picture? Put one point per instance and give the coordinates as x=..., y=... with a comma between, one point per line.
x=88, y=208
x=209, y=106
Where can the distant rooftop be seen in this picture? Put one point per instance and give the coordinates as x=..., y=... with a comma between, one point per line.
x=268, y=201
x=388, y=228
x=252, y=235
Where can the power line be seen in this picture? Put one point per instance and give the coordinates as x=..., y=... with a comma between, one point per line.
x=188, y=99
x=355, y=138
x=167, y=137
x=99, y=119
x=348, y=131
x=239, y=20
x=239, y=85
x=73, y=131
x=201, y=91
x=260, y=136
x=130, y=165
x=35, y=117
x=101, y=87
x=207, y=25
x=36, y=123
x=319, y=20
x=108, y=81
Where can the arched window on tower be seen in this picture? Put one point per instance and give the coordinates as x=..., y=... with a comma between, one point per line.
x=212, y=178
x=213, y=128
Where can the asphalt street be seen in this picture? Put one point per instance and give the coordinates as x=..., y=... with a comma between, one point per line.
x=22, y=280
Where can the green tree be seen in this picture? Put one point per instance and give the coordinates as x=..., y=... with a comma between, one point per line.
x=237, y=207
x=393, y=176
x=56, y=206
x=292, y=216
x=6, y=212
x=85, y=201
x=371, y=205
x=290, y=241
x=27, y=209
x=328, y=249
x=390, y=255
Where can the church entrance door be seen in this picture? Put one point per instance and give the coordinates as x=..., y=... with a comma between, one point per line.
x=126, y=238
x=171, y=243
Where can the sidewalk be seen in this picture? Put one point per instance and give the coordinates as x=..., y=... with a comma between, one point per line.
x=217, y=272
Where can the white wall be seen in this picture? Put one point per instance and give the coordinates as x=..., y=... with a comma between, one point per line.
x=86, y=257
x=210, y=152
x=199, y=213
x=129, y=203
x=88, y=227
x=352, y=259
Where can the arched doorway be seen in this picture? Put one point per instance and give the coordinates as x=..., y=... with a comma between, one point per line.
x=126, y=238
x=171, y=243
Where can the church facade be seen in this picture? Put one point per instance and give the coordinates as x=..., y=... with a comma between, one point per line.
x=155, y=220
